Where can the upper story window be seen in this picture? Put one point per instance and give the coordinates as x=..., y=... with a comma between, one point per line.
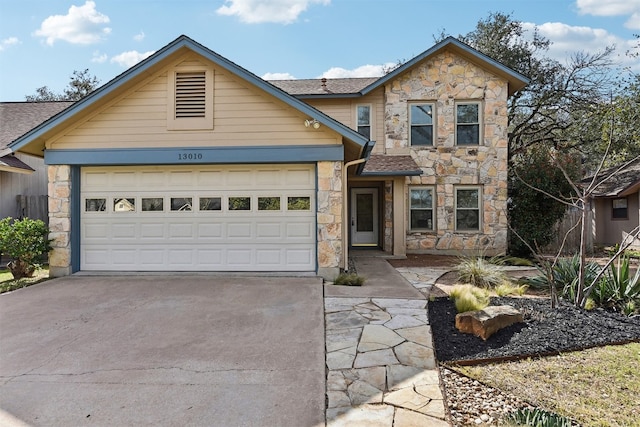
x=421, y=208
x=363, y=113
x=468, y=123
x=619, y=208
x=467, y=200
x=421, y=119
x=191, y=100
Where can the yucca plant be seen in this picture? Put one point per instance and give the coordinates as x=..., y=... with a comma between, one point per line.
x=619, y=289
x=565, y=276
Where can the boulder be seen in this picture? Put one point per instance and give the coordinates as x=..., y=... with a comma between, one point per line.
x=486, y=322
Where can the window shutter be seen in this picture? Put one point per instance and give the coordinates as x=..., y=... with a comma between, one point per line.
x=190, y=95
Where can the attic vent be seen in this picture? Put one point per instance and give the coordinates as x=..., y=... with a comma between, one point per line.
x=190, y=95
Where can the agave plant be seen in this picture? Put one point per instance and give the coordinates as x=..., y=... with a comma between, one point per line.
x=565, y=276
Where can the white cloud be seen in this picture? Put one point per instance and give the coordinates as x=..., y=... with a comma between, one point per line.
x=567, y=39
x=278, y=76
x=98, y=57
x=362, y=71
x=629, y=8
x=10, y=41
x=139, y=37
x=260, y=11
x=82, y=25
x=130, y=58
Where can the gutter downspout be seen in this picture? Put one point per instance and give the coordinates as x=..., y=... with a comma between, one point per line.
x=345, y=211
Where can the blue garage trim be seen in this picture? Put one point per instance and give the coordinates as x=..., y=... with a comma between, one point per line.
x=195, y=155
x=75, y=219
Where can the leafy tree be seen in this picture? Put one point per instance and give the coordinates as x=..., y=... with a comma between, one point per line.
x=24, y=241
x=80, y=85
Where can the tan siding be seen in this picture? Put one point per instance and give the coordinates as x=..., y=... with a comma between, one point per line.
x=338, y=109
x=243, y=115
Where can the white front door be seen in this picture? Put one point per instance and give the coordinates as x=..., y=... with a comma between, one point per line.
x=364, y=217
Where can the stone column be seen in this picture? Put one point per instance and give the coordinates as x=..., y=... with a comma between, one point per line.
x=329, y=219
x=59, y=189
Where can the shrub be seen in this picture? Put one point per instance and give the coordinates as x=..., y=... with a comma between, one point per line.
x=348, y=279
x=478, y=271
x=565, y=276
x=506, y=289
x=24, y=241
x=537, y=418
x=469, y=298
x=618, y=290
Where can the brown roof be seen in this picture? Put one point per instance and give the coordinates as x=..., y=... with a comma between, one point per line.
x=18, y=118
x=622, y=182
x=391, y=165
x=323, y=86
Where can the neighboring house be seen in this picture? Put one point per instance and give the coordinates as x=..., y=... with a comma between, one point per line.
x=22, y=174
x=615, y=206
x=222, y=171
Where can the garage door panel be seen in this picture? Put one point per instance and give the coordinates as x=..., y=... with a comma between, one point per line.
x=117, y=234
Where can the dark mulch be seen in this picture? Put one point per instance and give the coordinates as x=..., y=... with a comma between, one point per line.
x=544, y=331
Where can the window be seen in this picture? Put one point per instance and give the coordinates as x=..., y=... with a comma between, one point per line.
x=191, y=100
x=468, y=124
x=210, y=203
x=122, y=204
x=268, y=203
x=619, y=208
x=421, y=119
x=421, y=208
x=467, y=209
x=239, y=203
x=364, y=120
x=152, y=204
x=181, y=204
x=299, y=203
x=95, y=205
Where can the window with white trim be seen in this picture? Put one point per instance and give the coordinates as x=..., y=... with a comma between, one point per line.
x=421, y=203
x=468, y=207
x=468, y=123
x=421, y=123
x=191, y=100
x=363, y=118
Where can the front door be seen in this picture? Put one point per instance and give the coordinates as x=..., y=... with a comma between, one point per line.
x=364, y=217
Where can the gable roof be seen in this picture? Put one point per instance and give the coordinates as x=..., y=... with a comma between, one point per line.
x=144, y=67
x=16, y=119
x=356, y=87
x=623, y=180
x=516, y=80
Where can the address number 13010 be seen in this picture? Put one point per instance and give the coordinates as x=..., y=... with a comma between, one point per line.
x=189, y=156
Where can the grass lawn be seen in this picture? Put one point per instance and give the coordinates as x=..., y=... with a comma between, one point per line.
x=7, y=283
x=596, y=387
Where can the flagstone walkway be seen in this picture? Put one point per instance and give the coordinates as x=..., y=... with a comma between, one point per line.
x=381, y=365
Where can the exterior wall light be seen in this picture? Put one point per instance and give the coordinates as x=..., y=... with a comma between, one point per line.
x=312, y=123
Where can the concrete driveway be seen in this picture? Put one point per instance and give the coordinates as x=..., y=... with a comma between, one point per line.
x=157, y=350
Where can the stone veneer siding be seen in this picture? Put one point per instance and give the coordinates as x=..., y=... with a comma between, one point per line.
x=59, y=178
x=443, y=80
x=329, y=219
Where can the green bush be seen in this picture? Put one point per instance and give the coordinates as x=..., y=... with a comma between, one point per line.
x=619, y=290
x=537, y=418
x=479, y=271
x=24, y=241
x=348, y=279
x=469, y=298
x=565, y=276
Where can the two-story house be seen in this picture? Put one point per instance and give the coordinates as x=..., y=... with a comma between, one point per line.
x=188, y=162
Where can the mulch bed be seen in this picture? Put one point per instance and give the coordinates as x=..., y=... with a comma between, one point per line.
x=545, y=331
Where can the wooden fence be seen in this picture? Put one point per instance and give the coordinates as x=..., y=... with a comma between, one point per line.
x=34, y=207
x=572, y=241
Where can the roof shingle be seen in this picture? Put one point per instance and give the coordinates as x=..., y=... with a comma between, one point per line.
x=323, y=86
x=379, y=164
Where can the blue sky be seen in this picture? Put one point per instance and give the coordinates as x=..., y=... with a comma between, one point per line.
x=43, y=41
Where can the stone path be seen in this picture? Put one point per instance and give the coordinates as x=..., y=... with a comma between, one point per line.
x=381, y=366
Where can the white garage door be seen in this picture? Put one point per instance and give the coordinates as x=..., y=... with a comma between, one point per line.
x=198, y=218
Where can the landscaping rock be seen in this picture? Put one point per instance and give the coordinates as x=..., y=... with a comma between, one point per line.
x=486, y=322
